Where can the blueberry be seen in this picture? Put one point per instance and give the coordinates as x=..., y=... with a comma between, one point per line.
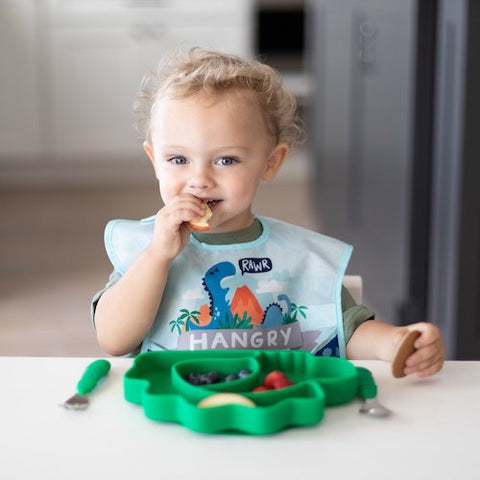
x=230, y=377
x=244, y=372
x=194, y=378
x=205, y=379
x=210, y=377
x=215, y=376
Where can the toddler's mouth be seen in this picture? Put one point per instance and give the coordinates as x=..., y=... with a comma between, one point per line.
x=212, y=203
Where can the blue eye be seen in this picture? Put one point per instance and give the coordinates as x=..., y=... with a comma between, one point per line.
x=226, y=161
x=179, y=160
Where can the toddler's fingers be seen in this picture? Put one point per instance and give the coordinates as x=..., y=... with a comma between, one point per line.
x=427, y=359
x=432, y=369
x=188, y=201
x=421, y=363
x=183, y=209
x=429, y=333
x=195, y=209
x=423, y=354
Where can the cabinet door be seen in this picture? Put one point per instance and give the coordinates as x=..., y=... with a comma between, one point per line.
x=97, y=63
x=363, y=99
x=94, y=76
x=19, y=112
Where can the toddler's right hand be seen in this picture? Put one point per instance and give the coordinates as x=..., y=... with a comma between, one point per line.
x=171, y=232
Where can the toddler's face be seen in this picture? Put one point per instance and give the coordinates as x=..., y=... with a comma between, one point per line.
x=215, y=148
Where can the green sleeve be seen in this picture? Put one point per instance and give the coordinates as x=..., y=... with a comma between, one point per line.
x=353, y=315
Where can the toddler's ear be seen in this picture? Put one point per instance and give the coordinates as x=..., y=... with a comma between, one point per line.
x=149, y=151
x=275, y=161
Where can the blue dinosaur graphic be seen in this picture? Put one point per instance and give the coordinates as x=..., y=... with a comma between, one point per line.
x=220, y=310
x=273, y=315
x=219, y=305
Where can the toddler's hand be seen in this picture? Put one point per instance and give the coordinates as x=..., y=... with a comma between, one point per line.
x=430, y=354
x=171, y=232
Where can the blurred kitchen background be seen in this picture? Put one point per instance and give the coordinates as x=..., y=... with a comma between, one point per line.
x=389, y=93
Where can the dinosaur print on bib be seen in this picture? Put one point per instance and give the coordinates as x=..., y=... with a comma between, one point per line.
x=233, y=317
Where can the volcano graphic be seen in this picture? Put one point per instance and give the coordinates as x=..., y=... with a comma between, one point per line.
x=245, y=301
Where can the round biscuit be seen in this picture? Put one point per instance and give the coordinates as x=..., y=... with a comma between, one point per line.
x=405, y=348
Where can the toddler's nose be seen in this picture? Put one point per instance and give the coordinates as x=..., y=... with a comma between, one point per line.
x=201, y=178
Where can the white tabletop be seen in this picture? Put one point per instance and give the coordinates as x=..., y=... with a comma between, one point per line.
x=433, y=434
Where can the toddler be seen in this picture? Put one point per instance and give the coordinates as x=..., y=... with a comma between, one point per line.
x=214, y=126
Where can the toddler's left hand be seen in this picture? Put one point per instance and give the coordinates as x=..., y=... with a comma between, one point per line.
x=430, y=354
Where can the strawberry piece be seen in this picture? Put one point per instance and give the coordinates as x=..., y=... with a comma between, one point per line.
x=273, y=377
x=260, y=388
x=282, y=383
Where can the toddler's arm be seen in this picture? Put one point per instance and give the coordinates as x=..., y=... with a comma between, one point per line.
x=377, y=340
x=126, y=311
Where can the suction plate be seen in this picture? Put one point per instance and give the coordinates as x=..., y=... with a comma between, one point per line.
x=157, y=380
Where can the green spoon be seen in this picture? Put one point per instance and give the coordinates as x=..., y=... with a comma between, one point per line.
x=92, y=375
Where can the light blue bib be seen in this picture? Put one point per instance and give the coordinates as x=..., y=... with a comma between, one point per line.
x=281, y=291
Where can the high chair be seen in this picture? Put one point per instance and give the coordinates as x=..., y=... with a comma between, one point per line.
x=354, y=284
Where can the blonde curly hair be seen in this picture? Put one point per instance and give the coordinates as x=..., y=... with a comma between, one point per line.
x=181, y=74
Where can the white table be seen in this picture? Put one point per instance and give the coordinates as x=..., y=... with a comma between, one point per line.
x=433, y=434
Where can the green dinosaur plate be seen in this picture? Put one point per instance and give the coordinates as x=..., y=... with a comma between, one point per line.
x=157, y=381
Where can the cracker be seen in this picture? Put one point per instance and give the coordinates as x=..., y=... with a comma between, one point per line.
x=201, y=224
x=404, y=350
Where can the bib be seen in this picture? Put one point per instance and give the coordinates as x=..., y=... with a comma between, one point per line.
x=281, y=291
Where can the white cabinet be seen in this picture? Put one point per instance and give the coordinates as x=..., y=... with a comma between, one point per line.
x=97, y=57
x=93, y=76
x=70, y=69
x=19, y=99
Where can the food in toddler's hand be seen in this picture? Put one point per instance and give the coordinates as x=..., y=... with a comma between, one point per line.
x=274, y=381
x=220, y=399
x=201, y=224
x=405, y=348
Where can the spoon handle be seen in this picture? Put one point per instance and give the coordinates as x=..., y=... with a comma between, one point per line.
x=93, y=373
x=367, y=387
